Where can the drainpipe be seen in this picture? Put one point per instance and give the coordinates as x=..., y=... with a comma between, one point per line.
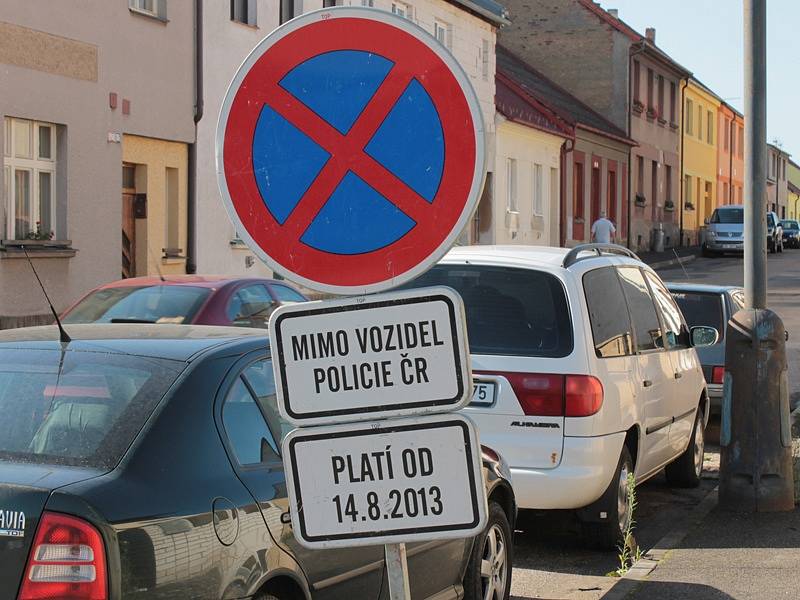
x=191, y=208
x=562, y=225
x=732, y=128
x=640, y=50
x=680, y=183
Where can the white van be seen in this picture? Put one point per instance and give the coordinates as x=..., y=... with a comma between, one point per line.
x=584, y=371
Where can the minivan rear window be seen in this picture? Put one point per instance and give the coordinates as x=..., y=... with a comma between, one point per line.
x=519, y=312
x=76, y=408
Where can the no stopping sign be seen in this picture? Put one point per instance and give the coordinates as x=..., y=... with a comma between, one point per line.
x=350, y=150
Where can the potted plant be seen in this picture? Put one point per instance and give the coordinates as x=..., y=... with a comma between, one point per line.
x=669, y=206
x=638, y=106
x=688, y=206
x=652, y=113
x=39, y=235
x=640, y=200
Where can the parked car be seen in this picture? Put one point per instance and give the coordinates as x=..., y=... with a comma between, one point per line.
x=584, y=372
x=724, y=231
x=774, y=233
x=713, y=306
x=143, y=461
x=791, y=233
x=182, y=299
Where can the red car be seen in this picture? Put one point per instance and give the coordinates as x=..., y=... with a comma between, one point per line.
x=184, y=299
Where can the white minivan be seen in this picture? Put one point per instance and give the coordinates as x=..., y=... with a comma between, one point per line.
x=584, y=371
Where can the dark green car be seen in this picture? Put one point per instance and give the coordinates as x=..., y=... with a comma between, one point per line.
x=142, y=461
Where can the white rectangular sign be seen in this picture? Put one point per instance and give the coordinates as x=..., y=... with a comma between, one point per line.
x=397, y=480
x=392, y=354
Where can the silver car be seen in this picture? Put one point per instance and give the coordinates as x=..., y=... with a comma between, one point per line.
x=725, y=230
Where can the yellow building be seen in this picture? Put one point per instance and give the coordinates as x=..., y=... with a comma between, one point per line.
x=699, y=156
x=793, y=203
x=154, y=205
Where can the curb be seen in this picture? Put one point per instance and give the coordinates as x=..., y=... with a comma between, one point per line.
x=648, y=563
x=663, y=264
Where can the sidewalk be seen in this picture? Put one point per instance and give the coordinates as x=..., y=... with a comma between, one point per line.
x=671, y=257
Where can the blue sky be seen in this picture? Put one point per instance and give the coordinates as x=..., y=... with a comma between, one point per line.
x=706, y=37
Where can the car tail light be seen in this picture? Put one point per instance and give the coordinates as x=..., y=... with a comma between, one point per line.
x=583, y=394
x=717, y=375
x=67, y=561
x=549, y=395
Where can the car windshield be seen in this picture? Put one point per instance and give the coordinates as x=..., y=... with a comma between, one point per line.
x=701, y=308
x=76, y=408
x=146, y=304
x=728, y=216
x=510, y=311
x=790, y=225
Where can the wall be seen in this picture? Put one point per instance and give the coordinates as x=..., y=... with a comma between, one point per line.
x=227, y=44
x=730, y=158
x=528, y=146
x=777, y=188
x=155, y=156
x=571, y=46
x=97, y=48
x=793, y=201
x=699, y=160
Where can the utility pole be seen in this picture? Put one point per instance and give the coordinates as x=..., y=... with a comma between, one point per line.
x=756, y=461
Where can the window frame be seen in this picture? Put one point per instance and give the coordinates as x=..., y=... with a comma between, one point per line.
x=250, y=8
x=35, y=165
x=240, y=289
x=537, y=185
x=402, y=9
x=447, y=33
x=689, y=121
x=631, y=342
x=652, y=279
x=634, y=328
x=159, y=10
x=512, y=200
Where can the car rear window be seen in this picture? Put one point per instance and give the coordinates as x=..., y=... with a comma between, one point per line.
x=701, y=308
x=790, y=225
x=76, y=408
x=728, y=216
x=520, y=312
x=149, y=304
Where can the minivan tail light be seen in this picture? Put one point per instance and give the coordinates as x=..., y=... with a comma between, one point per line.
x=67, y=561
x=551, y=395
x=718, y=375
x=583, y=395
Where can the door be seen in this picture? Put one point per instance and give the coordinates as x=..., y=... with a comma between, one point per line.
x=654, y=374
x=595, y=191
x=612, y=195
x=685, y=366
x=253, y=431
x=128, y=235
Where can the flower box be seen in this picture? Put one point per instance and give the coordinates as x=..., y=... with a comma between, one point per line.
x=640, y=200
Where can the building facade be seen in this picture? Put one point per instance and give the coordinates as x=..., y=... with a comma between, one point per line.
x=626, y=78
x=777, y=182
x=232, y=29
x=793, y=200
x=96, y=109
x=700, y=135
x=730, y=156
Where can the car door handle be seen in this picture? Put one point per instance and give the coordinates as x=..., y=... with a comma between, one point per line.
x=678, y=374
x=647, y=383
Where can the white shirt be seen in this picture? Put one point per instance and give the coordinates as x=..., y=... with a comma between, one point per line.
x=602, y=230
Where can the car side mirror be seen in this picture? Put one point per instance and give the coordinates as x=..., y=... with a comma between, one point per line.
x=704, y=336
x=705, y=220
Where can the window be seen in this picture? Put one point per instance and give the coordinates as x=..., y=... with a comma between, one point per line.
x=710, y=125
x=636, y=81
x=727, y=134
x=250, y=306
x=150, y=304
x=173, y=213
x=650, y=104
x=287, y=294
x=444, y=33
x=261, y=382
x=741, y=142
x=647, y=328
x=402, y=9
x=538, y=191
x=728, y=216
x=725, y=193
x=286, y=11
x=516, y=312
x=247, y=432
x=511, y=184
x=660, y=97
x=672, y=102
x=677, y=334
x=699, y=122
x=640, y=174
x=687, y=189
x=154, y=8
x=244, y=11
x=668, y=183
x=129, y=177
x=611, y=327
x=577, y=209
x=369, y=3
x=701, y=308
x=30, y=170
x=689, y=117
x=485, y=60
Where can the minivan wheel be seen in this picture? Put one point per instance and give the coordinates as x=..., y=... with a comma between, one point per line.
x=686, y=470
x=488, y=575
x=609, y=533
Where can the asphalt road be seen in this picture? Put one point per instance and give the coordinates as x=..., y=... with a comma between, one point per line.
x=550, y=558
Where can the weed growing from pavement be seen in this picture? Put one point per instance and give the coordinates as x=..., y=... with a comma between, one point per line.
x=629, y=551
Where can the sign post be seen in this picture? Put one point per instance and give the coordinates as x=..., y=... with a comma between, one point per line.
x=350, y=157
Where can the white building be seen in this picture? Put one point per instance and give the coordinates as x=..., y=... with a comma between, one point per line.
x=230, y=30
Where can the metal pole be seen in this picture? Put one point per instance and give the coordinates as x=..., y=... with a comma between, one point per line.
x=755, y=153
x=397, y=571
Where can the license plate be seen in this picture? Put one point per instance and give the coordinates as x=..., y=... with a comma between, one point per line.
x=483, y=393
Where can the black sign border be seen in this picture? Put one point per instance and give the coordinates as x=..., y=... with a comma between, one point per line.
x=382, y=431
x=451, y=309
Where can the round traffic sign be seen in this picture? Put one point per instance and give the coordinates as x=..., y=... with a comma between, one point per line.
x=350, y=150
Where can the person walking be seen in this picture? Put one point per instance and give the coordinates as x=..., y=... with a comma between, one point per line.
x=603, y=230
